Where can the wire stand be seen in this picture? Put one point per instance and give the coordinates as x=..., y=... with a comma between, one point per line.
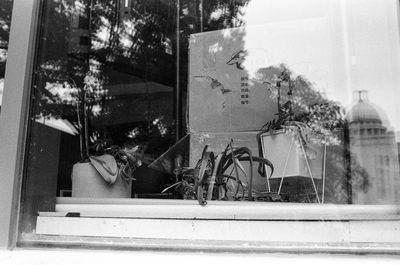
x=307, y=163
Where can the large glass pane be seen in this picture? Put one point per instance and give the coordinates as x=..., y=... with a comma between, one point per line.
x=323, y=72
x=105, y=79
x=296, y=100
x=5, y=23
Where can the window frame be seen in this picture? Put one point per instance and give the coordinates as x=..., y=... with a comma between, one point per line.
x=13, y=134
x=14, y=113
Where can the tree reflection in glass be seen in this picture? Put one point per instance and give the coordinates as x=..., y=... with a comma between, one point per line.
x=116, y=72
x=5, y=23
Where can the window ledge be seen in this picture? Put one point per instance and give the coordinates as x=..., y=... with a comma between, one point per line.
x=221, y=210
x=213, y=246
x=222, y=221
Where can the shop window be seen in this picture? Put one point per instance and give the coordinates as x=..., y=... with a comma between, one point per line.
x=250, y=103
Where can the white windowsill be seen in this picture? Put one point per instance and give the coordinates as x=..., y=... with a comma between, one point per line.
x=221, y=210
x=339, y=226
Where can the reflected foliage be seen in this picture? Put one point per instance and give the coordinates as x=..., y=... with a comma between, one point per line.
x=98, y=70
x=325, y=124
x=105, y=60
x=300, y=102
x=109, y=68
x=5, y=23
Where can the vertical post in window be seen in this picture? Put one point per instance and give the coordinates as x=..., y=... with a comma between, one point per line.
x=177, y=91
x=201, y=16
x=398, y=12
x=347, y=161
x=346, y=45
x=14, y=113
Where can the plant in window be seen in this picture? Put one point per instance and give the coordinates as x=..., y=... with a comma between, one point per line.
x=108, y=172
x=104, y=170
x=303, y=110
x=296, y=135
x=222, y=176
x=316, y=124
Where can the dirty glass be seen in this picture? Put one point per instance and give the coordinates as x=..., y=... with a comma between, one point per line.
x=267, y=101
x=312, y=86
x=5, y=23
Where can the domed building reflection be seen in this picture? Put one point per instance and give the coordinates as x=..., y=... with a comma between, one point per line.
x=373, y=147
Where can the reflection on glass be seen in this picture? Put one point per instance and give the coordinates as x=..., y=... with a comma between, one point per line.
x=276, y=77
x=105, y=78
x=5, y=23
x=301, y=61
x=373, y=144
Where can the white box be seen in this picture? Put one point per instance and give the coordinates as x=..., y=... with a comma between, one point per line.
x=276, y=148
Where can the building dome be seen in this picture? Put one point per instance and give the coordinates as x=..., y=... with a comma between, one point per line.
x=366, y=112
x=363, y=112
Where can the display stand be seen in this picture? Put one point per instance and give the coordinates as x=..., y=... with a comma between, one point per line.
x=283, y=173
x=307, y=163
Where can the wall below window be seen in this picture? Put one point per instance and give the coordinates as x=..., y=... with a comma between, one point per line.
x=76, y=257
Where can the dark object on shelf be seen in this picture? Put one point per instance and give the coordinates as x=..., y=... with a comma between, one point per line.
x=223, y=177
x=165, y=163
